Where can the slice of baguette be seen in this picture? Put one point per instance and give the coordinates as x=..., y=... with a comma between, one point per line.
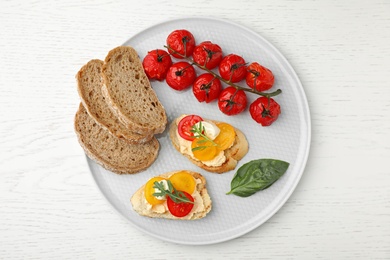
x=233, y=154
x=202, y=206
x=89, y=87
x=112, y=153
x=129, y=93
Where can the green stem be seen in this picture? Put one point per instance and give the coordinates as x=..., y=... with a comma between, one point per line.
x=268, y=95
x=199, y=131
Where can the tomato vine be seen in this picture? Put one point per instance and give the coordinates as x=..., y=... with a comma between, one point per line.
x=238, y=87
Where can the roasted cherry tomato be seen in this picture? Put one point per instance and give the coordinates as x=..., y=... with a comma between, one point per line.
x=259, y=77
x=203, y=149
x=206, y=87
x=264, y=111
x=156, y=64
x=183, y=181
x=185, y=125
x=149, y=190
x=232, y=101
x=181, y=43
x=207, y=54
x=232, y=68
x=181, y=75
x=180, y=209
x=226, y=136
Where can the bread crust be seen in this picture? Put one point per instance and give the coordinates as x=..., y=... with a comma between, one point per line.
x=233, y=154
x=138, y=201
x=89, y=87
x=94, y=150
x=142, y=85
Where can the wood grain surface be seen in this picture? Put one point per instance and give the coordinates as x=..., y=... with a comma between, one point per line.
x=50, y=207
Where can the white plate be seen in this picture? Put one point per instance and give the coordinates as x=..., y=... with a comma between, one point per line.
x=287, y=139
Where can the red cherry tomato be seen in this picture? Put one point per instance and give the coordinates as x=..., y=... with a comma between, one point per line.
x=180, y=209
x=182, y=42
x=264, y=111
x=206, y=87
x=156, y=64
x=232, y=101
x=259, y=77
x=207, y=54
x=181, y=75
x=185, y=125
x=232, y=68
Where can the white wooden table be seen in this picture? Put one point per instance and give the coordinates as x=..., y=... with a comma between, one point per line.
x=50, y=207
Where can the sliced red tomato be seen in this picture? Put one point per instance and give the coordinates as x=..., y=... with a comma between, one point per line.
x=180, y=209
x=185, y=125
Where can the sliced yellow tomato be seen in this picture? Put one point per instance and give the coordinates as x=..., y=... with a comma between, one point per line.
x=183, y=181
x=204, y=150
x=149, y=190
x=226, y=137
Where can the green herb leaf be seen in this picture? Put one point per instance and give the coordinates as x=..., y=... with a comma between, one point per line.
x=160, y=187
x=257, y=175
x=199, y=131
x=175, y=195
x=199, y=148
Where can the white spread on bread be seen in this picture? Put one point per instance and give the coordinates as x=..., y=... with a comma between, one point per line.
x=212, y=133
x=165, y=185
x=211, y=130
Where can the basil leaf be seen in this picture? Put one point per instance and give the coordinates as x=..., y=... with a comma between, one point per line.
x=257, y=175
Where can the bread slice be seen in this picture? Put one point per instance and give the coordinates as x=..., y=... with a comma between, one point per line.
x=112, y=153
x=128, y=92
x=89, y=87
x=233, y=154
x=202, y=206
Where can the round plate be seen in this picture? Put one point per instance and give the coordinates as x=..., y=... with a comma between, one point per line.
x=286, y=139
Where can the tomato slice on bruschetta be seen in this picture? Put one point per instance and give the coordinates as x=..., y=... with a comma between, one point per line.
x=180, y=209
x=186, y=124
